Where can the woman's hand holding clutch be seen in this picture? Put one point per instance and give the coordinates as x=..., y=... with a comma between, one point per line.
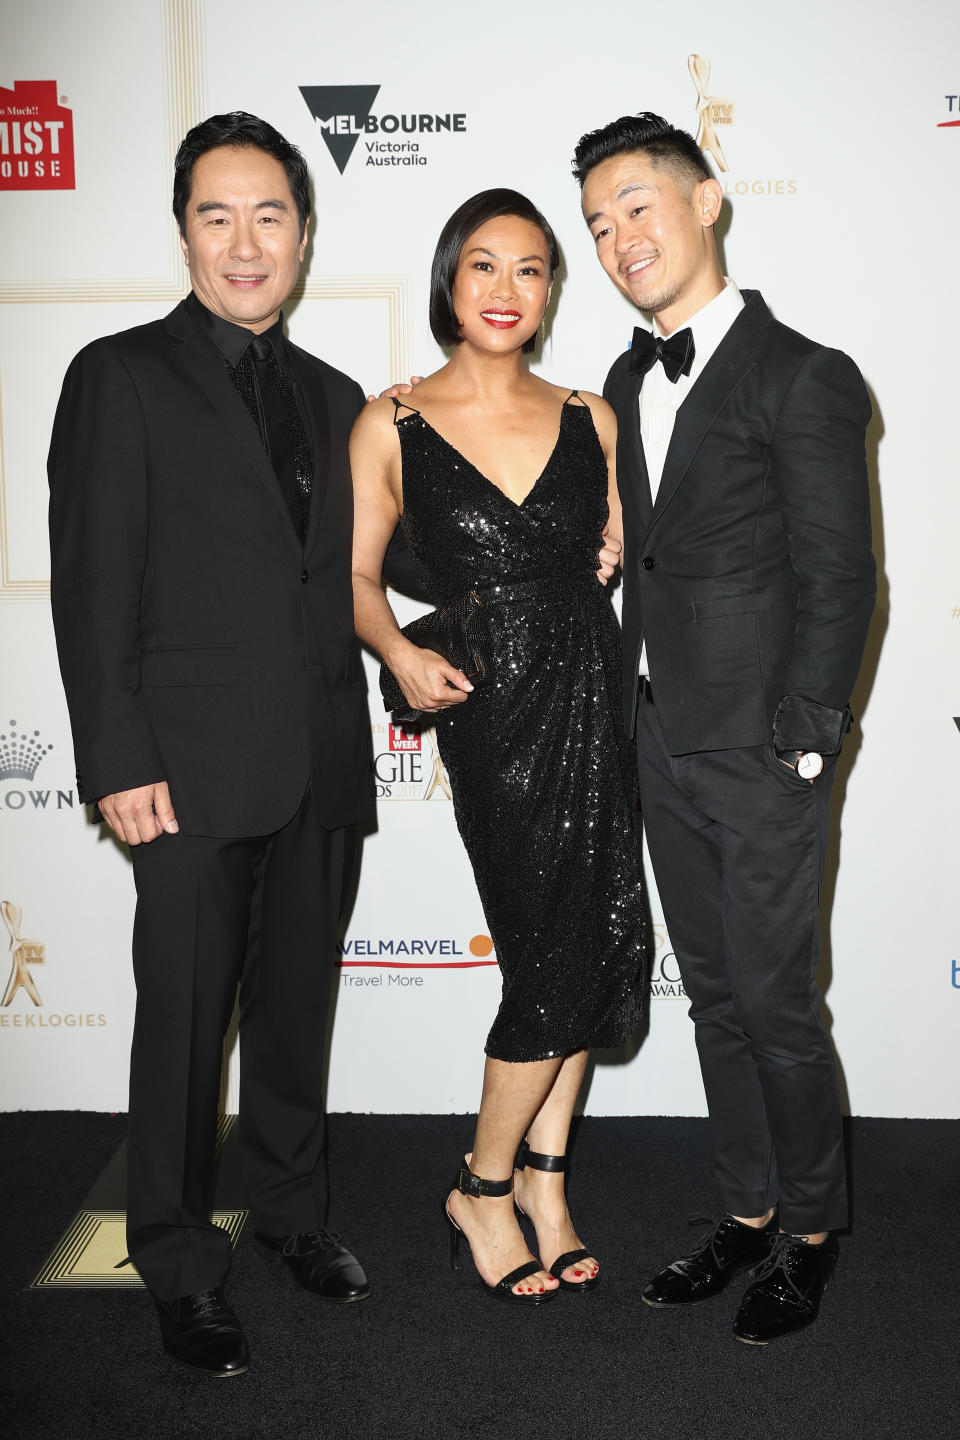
x=428, y=681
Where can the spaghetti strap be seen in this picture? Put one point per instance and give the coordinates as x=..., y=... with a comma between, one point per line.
x=575, y=395
x=399, y=405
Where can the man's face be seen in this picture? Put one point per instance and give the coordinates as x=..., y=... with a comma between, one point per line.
x=242, y=237
x=654, y=238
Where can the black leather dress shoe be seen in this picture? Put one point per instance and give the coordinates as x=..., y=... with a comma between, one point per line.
x=202, y=1332
x=786, y=1294
x=727, y=1248
x=318, y=1262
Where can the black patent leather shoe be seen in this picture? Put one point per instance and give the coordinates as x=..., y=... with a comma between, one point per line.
x=727, y=1248
x=319, y=1262
x=202, y=1332
x=786, y=1293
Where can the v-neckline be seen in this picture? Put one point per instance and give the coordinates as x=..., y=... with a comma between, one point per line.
x=517, y=504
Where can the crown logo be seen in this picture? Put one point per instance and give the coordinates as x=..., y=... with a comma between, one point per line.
x=20, y=754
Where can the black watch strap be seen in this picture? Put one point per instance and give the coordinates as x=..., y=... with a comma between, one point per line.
x=789, y=757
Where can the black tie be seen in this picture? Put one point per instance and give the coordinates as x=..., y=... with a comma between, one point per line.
x=675, y=353
x=279, y=409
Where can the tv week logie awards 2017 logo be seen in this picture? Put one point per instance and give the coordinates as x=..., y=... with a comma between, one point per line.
x=409, y=767
x=36, y=137
x=345, y=113
x=714, y=113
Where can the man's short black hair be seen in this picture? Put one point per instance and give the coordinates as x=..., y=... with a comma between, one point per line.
x=473, y=213
x=242, y=131
x=646, y=134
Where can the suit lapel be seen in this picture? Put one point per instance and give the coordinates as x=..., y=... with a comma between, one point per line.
x=206, y=368
x=724, y=372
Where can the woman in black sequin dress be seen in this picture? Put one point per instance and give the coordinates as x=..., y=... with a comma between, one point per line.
x=543, y=777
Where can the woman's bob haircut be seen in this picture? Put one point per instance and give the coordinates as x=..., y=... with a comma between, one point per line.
x=473, y=213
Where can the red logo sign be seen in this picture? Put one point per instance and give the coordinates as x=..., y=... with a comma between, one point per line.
x=36, y=138
x=401, y=739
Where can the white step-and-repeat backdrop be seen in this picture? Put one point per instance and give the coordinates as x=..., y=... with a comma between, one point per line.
x=837, y=138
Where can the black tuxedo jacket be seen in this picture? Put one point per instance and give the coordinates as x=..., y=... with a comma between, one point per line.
x=751, y=578
x=200, y=642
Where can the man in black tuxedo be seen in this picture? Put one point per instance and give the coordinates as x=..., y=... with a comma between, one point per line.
x=749, y=585
x=201, y=518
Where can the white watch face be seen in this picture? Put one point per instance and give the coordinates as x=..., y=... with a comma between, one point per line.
x=809, y=765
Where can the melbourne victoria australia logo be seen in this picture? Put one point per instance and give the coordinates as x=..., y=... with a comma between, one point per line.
x=407, y=764
x=36, y=138
x=714, y=113
x=22, y=753
x=345, y=113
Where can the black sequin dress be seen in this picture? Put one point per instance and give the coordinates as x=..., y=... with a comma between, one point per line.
x=543, y=777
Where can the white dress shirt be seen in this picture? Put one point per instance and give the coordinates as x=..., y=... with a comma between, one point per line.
x=660, y=399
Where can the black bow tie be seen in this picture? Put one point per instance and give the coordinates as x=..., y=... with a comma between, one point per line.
x=675, y=353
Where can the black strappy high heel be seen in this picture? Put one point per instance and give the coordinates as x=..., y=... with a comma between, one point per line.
x=557, y=1164
x=469, y=1184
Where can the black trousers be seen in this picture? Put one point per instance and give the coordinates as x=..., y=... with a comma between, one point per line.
x=212, y=915
x=737, y=843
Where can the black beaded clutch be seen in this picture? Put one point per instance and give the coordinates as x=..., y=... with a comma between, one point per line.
x=460, y=633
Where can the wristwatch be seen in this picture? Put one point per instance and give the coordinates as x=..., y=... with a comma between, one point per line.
x=807, y=763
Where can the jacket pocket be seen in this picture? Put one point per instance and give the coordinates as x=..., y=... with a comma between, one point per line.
x=162, y=665
x=745, y=604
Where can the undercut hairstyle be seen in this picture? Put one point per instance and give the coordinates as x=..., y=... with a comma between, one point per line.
x=666, y=147
x=242, y=132
x=488, y=205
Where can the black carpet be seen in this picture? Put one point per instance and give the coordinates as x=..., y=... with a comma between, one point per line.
x=430, y=1355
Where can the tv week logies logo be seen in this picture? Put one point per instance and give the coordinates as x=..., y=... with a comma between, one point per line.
x=24, y=953
x=36, y=138
x=410, y=767
x=714, y=112
x=345, y=112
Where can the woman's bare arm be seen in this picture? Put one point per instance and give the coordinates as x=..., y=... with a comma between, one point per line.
x=425, y=677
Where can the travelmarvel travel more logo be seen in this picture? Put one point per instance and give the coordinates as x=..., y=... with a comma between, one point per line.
x=403, y=954
x=407, y=764
x=392, y=139
x=713, y=113
x=22, y=752
x=953, y=109
x=36, y=138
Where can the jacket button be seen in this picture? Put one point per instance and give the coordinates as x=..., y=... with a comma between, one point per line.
x=304, y=577
x=648, y=562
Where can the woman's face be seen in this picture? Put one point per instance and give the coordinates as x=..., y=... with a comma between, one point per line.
x=502, y=284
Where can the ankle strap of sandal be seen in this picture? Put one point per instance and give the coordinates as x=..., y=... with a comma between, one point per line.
x=537, y=1161
x=469, y=1184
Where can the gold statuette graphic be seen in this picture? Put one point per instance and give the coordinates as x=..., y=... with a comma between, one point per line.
x=438, y=774
x=712, y=111
x=24, y=952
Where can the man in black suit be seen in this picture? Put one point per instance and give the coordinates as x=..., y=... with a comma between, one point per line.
x=201, y=518
x=749, y=585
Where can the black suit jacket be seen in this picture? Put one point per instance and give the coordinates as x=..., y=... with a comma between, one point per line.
x=200, y=643
x=751, y=578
